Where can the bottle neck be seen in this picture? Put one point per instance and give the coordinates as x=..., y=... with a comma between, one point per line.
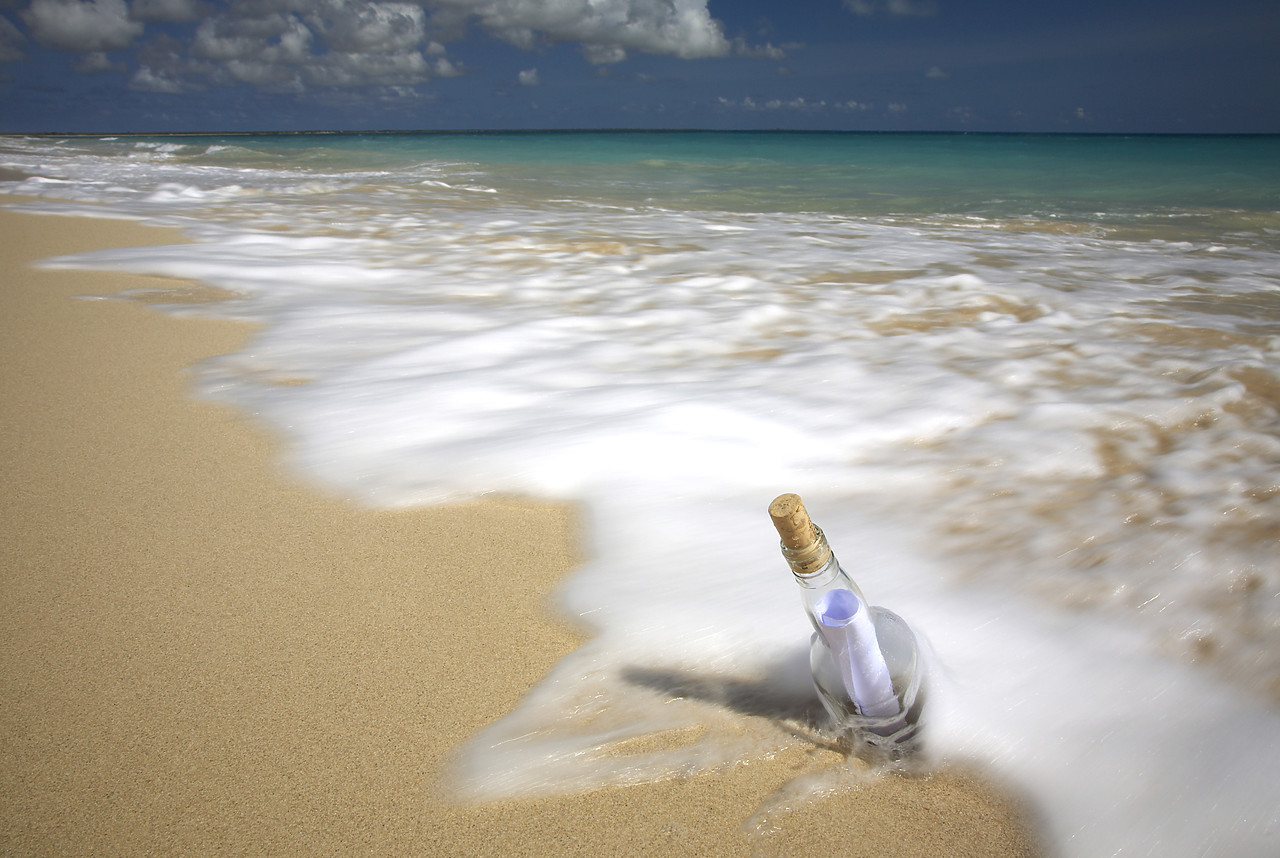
x=811, y=559
x=821, y=577
x=829, y=576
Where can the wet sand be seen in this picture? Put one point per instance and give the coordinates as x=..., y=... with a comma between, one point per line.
x=200, y=653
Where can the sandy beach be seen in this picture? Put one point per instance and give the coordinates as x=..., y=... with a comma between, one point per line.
x=199, y=653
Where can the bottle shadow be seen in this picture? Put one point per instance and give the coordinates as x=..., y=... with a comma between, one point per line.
x=782, y=693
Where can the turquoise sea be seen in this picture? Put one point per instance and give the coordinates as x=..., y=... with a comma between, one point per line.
x=1029, y=385
x=997, y=175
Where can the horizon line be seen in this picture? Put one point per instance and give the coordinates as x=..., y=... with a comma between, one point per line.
x=627, y=130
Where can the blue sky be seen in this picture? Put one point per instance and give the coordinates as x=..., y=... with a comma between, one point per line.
x=977, y=65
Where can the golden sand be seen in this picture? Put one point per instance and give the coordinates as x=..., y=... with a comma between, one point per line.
x=200, y=654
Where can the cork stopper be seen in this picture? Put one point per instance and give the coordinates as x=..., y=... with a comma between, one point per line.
x=792, y=520
x=803, y=544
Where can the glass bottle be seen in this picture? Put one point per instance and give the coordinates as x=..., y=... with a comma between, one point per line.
x=864, y=659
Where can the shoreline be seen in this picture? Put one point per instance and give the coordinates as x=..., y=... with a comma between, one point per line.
x=199, y=653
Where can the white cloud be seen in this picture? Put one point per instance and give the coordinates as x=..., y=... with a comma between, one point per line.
x=96, y=61
x=603, y=55
x=80, y=27
x=336, y=69
x=901, y=8
x=606, y=29
x=528, y=77
x=354, y=27
x=150, y=80
x=936, y=73
x=167, y=10
x=272, y=38
x=897, y=107
x=10, y=42
x=798, y=103
x=767, y=51
x=324, y=43
x=164, y=66
x=265, y=75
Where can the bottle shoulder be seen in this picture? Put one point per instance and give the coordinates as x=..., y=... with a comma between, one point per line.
x=830, y=577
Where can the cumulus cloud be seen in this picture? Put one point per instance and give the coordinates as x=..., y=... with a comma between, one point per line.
x=165, y=66
x=81, y=27
x=155, y=80
x=291, y=45
x=606, y=29
x=10, y=42
x=272, y=39
x=148, y=79
x=528, y=77
x=364, y=69
x=360, y=28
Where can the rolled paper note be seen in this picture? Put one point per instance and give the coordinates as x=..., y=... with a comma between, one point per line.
x=847, y=628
